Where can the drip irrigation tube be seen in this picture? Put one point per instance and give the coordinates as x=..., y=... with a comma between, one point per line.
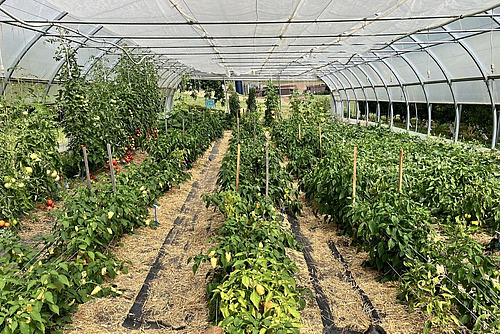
x=135, y=317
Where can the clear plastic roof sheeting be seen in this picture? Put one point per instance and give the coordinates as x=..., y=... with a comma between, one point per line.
x=395, y=50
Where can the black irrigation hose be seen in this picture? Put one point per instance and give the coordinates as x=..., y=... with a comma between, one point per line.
x=347, y=274
x=135, y=317
x=323, y=303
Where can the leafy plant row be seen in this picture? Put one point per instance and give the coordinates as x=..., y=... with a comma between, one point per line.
x=120, y=107
x=421, y=235
x=120, y=104
x=28, y=133
x=253, y=287
x=42, y=286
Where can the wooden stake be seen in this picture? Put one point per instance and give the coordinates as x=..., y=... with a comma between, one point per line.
x=300, y=132
x=183, y=127
x=354, y=175
x=320, y=142
x=166, y=126
x=86, y=162
x=111, y=167
x=238, y=127
x=238, y=168
x=400, y=186
x=267, y=170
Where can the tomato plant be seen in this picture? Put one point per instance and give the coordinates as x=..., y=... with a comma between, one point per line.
x=40, y=288
x=28, y=155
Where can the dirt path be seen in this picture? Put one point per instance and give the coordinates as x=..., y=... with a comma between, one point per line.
x=347, y=294
x=161, y=294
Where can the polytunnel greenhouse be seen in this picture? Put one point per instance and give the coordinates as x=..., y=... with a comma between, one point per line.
x=249, y=167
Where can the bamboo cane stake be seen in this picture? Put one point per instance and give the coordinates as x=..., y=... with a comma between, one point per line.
x=354, y=175
x=400, y=186
x=111, y=167
x=86, y=162
x=238, y=168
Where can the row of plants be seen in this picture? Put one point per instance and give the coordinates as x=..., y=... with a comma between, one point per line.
x=28, y=132
x=120, y=104
x=421, y=235
x=41, y=286
x=119, y=107
x=253, y=286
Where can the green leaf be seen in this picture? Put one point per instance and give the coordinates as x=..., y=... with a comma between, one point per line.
x=24, y=327
x=255, y=299
x=63, y=279
x=245, y=280
x=54, y=308
x=293, y=311
x=36, y=316
x=49, y=297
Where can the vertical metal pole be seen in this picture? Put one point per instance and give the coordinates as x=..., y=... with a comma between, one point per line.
x=416, y=116
x=348, y=110
x=391, y=115
x=225, y=93
x=378, y=112
x=407, y=116
x=494, y=140
x=111, y=167
x=165, y=111
x=458, y=114
x=357, y=112
x=367, y=112
x=333, y=105
x=429, y=120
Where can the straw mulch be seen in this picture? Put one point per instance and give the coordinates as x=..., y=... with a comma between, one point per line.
x=177, y=297
x=345, y=302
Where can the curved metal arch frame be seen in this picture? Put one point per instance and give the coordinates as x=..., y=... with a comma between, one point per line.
x=172, y=75
x=458, y=109
x=339, y=112
x=398, y=78
x=61, y=62
x=441, y=67
x=86, y=70
x=463, y=43
x=382, y=78
x=25, y=50
x=362, y=89
x=341, y=90
x=353, y=90
x=331, y=83
x=373, y=87
x=422, y=85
